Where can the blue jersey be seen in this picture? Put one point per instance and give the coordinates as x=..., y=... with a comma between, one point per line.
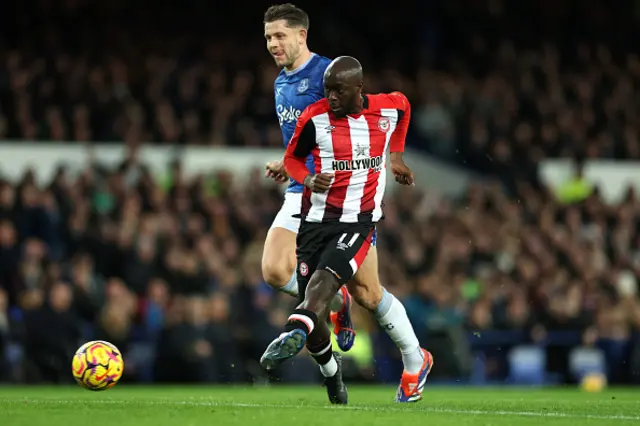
x=294, y=92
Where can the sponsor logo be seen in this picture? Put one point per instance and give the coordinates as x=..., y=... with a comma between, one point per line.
x=375, y=163
x=287, y=114
x=361, y=151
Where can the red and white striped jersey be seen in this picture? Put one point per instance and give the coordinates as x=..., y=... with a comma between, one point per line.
x=354, y=149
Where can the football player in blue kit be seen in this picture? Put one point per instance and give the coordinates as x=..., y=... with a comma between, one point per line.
x=300, y=84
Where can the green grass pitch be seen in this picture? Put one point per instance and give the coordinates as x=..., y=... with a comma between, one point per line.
x=127, y=405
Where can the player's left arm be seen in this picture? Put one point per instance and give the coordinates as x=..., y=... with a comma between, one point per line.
x=300, y=146
x=402, y=173
x=399, y=136
x=275, y=170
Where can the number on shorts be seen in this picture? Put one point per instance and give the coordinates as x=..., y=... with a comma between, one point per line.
x=342, y=245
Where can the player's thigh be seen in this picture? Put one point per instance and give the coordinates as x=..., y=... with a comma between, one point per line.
x=279, y=249
x=367, y=275
x=365, y=285
x=347, y=250
x=279, y=254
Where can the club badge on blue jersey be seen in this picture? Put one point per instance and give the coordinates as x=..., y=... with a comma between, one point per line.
x=303, y=86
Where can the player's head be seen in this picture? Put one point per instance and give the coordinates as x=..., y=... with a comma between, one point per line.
x=343, y=85
x=285, y=29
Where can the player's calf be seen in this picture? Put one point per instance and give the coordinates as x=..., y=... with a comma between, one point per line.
x=306, y=320
x=322, y=287
x=368, y=295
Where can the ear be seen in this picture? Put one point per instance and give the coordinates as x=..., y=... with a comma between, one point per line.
x=303, y=36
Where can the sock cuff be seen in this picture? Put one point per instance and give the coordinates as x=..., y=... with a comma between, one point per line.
x=385, y=304
x=320, y=349
x=308, y=319
x=291, y=287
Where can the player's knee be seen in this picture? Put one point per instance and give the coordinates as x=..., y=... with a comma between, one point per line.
x=366, y=295
x=276, y=274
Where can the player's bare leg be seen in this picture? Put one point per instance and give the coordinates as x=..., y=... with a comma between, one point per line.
x=278, y=270
x=279, y=260
x=392, y=317
x=306, y=320
x=314, y=333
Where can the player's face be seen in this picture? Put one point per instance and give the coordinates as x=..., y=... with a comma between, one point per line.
x=342, y=96
x=284, y=42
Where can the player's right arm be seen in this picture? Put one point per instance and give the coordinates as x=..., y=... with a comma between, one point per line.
x=299, y=148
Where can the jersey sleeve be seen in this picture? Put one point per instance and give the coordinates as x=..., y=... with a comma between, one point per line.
x=300, y=146
x=399, y=136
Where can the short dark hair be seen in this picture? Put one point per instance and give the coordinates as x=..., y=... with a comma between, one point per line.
x=294, y=16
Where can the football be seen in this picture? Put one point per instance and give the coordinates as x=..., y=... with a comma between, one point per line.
x=97, y=365
x=593, y=382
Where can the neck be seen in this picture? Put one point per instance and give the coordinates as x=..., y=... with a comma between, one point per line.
x=359, y=106
x=305, y=55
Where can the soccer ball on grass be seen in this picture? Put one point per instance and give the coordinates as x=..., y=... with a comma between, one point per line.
x=97, y=365
x=593, y=382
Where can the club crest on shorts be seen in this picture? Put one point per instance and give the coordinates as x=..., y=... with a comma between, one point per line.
x=304, y=269
x=384, y=124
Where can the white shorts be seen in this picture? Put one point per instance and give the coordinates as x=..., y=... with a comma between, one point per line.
x=291, y=206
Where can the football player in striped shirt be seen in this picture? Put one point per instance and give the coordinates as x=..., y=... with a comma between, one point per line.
x=347, y=134
x=298, y=85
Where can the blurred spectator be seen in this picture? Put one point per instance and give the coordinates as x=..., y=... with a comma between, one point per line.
x=51, y=334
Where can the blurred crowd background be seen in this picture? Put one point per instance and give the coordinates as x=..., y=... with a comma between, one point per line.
x=168, y=267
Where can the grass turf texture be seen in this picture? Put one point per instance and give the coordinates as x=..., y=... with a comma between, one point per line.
x=307, y=406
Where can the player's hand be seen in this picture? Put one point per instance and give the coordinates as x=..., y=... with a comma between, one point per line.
x=402, y=173
x=319, y=183
x=275, y=170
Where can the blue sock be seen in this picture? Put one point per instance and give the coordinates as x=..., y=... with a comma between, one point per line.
x=385, y=304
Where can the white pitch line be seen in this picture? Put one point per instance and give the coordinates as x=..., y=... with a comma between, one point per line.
x=423, y=408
